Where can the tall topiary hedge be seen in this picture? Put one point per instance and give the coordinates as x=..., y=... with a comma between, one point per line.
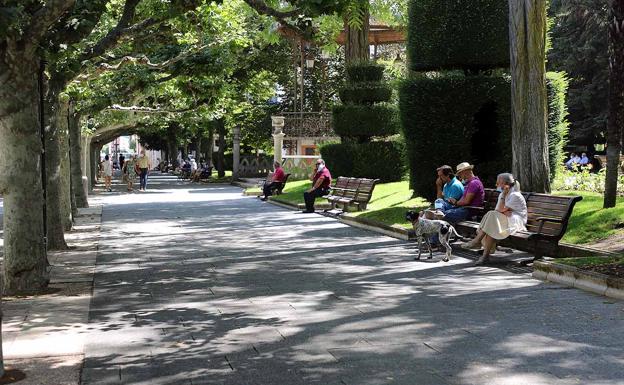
x=558, y=126
x=458, y=34
x=366, y=114
x=452, y=119
x=440, y=130
x=376, y=160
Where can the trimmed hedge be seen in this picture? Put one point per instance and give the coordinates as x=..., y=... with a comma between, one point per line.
x=558, y=126
x=452, y=119
x=366, y=121
x=365, y=72
x=458, y=34
x=365, y=93
x=375, y=160
x=439, y=130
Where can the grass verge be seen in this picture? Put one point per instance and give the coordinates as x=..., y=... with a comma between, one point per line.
x=590, y=222
x=591, y=261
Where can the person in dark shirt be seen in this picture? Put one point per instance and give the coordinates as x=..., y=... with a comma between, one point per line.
x=278, y=178
x=321, y=180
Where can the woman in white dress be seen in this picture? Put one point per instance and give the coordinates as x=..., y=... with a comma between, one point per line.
x=107, y=170
x=509, y=217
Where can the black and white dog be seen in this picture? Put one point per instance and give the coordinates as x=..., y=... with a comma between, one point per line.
x=425, y=228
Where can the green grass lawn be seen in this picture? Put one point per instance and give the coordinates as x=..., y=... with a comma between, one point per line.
x=590, y=222
x=390, y=202
x=591, y=261
x=293, y=192
x=388, y=205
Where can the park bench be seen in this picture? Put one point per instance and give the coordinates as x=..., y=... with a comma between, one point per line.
x=548, y=217
x=351, y=192
x=206, y=174
x=602, y=160
x=269, y=179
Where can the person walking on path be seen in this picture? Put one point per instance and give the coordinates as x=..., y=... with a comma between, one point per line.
x=321, y=180
x=130, y=171
x=107, y=170
x=509, y=217
x=144, y=166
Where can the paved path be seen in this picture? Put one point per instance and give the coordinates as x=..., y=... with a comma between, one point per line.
x=200, y=285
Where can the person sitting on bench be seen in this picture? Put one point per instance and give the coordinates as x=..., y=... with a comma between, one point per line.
x=278, y=178
x=509, y=217
x=321, y=180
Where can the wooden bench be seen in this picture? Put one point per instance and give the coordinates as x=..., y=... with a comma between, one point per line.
x=351, y=192
x=602, y=159
x=547, y=222
x=280, y=188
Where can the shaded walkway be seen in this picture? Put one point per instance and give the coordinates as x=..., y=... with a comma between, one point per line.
x=200, y=285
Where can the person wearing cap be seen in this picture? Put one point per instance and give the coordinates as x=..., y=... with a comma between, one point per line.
x=321, y=180
x=509, y=217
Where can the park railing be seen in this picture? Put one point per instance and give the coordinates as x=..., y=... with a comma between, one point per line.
x=254, y=167
x=311, y=125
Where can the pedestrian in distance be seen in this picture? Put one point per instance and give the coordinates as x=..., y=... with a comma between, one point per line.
x=144, y=166
x=130, y=171
x=107, y=171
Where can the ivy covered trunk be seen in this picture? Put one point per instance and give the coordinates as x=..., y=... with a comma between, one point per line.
x=357, y=29
x=616, y=100
x=75, y=151
x=54, y=191
x=24, y=267
x=527, y=35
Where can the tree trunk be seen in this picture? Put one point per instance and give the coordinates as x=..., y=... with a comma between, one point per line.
x=52, y=147
x=65, y=173
x=24, y=267
x=198, y=143
x=356, y=42
x=616, y=100
x=221, y=155
x=210, y=148
x=527, y=33
x=75, y=151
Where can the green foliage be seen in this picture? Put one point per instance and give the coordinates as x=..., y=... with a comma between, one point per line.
x=365, y=93
x=376, y=160
x=580, y=48
x=454, y=119
x=458, y=34
x=583, y=180
x=558, y=126
x=366, y=121
x=365, y=72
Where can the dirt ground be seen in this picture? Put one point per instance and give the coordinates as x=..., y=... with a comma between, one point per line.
x=614, y=243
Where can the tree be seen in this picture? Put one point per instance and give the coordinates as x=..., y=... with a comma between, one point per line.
x=527, y=34
x=615, y=130
x=23, y=30
x=579, y=36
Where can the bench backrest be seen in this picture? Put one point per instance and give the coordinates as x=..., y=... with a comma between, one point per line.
x=549, y=206
x=351, y=190
x=365, y=190
x=542, y=206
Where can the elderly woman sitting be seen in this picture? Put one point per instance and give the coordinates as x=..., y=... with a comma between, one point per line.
x=509, y=217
